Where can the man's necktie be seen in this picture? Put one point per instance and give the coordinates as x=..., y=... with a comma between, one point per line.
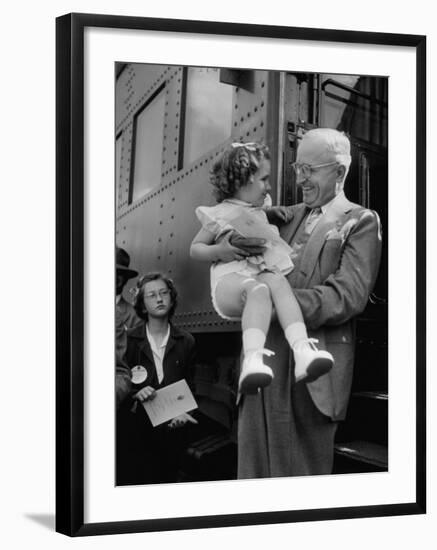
x=312, y=219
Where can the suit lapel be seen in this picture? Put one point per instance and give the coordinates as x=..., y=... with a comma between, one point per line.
x=170, y=343
x=289, y=231
x=317, y=238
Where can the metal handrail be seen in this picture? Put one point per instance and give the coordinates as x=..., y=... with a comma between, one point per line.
x=333, y=82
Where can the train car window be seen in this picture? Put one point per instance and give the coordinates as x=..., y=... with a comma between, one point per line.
x=356, y=105
x=208, y=114
x=148, y=140
x=118, y=147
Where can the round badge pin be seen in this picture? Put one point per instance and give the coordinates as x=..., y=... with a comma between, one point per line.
x=139, y=374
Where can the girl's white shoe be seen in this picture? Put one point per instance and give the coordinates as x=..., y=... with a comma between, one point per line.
x=310, y=362
x=254, y=374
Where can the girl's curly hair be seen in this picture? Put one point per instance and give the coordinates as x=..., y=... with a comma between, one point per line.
x=235, y=168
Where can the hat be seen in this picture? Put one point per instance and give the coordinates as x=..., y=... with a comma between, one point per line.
x=123, y=260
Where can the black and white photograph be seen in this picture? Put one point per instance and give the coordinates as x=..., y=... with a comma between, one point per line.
x=218, y=241
x=241, y=217
x=251, y=268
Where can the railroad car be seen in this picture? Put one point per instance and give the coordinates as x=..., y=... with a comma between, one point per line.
x=172, y=123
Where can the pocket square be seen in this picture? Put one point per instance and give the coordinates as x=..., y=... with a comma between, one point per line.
x=341, y=232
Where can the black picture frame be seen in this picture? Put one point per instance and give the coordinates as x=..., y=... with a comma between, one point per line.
x=70, y=487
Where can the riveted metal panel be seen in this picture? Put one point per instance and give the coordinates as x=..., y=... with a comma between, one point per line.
x=122, y=186
x=173, y=93
x=158, y=228
x=135, y=86
x=249, y=118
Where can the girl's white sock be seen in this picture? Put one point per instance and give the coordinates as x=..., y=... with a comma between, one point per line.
x=295, y=332
x=253, y=338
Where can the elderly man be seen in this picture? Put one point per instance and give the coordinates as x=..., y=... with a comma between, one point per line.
x=288, y=429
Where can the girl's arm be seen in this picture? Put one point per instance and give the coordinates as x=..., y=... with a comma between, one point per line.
x=204, y=248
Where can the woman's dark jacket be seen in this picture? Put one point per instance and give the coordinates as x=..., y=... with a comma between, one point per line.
x=146, y=454
x=178, y=357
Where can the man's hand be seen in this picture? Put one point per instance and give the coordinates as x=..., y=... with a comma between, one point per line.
x=227, y=252
x=145, y=394
x=252, y=246
x=181, y=420
x=278, y=215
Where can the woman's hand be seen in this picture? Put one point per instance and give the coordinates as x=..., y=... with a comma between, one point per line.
x=145, y=394
x=181, y=420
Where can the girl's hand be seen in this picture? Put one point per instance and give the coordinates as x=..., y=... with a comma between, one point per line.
x=279, y=215
x=145, y=394
x=226, y=252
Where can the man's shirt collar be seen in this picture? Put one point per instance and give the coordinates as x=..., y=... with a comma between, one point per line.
x=328, y=205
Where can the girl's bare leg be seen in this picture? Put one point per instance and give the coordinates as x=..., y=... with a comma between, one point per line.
x=310, y=363
x=247, y=296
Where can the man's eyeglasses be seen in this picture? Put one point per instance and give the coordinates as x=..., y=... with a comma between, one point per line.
x=161, y=294
x=306, y=170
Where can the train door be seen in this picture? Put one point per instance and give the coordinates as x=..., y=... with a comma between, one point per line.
x=356, y=105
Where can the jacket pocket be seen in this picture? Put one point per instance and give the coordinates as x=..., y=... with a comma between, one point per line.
x=342, y=334
x=330, y=257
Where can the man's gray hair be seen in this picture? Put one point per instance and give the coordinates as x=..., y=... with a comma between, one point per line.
x=335, y=142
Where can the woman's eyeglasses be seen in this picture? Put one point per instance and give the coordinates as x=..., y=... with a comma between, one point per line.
x=161, y=294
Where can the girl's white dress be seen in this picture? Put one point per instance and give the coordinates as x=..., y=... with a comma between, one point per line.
x=249, y=221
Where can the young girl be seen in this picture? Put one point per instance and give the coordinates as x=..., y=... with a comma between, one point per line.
x=246, y=287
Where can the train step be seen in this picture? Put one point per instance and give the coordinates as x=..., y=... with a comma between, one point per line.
x=367, y=418
x=360, y=456
x=371, y=359
x=211, y=458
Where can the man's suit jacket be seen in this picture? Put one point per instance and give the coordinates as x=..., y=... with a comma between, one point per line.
x=337, y=272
